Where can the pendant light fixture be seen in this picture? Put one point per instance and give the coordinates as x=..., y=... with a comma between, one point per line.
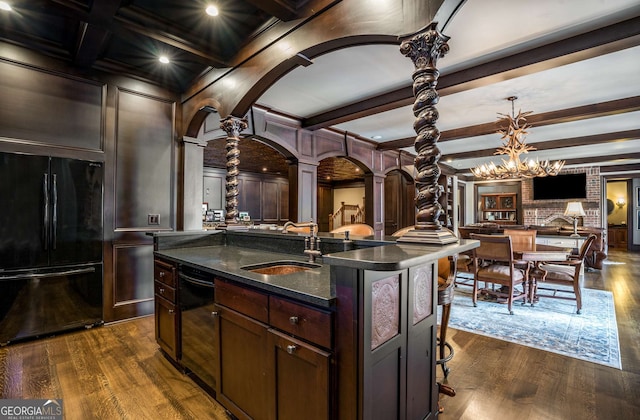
x=514, y=135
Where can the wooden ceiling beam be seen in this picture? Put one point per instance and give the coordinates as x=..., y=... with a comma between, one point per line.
x=580, y=47
x=555, y=144
x=282, y=9
x=95, y=32
x=602, y=109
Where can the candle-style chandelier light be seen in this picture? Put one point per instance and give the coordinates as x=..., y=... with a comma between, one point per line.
x=514, y=133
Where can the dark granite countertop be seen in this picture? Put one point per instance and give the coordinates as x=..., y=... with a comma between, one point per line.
x=396, y=256
x=314, y=285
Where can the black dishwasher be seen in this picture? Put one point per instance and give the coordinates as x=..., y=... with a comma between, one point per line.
x=199, y=354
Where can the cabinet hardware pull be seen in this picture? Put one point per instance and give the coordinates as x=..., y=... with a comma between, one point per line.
x=171, y=311
x=162, y=274
x=214, y=313
x=291, y=348
x=293, y=320
x=162, y=291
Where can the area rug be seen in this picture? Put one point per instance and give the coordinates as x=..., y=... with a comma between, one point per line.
x=551, y=325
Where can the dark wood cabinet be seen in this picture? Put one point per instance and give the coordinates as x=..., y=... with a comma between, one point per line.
x=268, y=368
x=301, y=378
x=617, y=236
x=167, y=312
x=245, y=385
x=500, y=208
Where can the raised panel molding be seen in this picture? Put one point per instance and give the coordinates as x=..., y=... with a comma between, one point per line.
x=305, y=143
x=364, y=152
x=144, y=179
x=329, y=144
x=390, y=161
x=36, y=105
x=132, y=287
x=423, y=293
x=385, y=310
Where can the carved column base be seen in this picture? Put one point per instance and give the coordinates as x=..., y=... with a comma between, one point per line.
x=437, y=237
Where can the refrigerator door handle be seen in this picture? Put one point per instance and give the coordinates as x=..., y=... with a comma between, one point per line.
x=54, y=227
x=51, y=274
x=45, y=226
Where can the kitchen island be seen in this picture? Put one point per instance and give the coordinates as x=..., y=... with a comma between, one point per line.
x=352, y=337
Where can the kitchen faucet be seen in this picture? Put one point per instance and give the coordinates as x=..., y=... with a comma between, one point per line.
x=312, y=242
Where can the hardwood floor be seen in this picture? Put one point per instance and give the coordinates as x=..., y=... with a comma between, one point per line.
x=117, y=372
x=110, y=372
x=498, y=380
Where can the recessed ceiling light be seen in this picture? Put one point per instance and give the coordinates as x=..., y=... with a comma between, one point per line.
x=5, y=6
x=212, y=10
x=376, y=137
x=164, y=59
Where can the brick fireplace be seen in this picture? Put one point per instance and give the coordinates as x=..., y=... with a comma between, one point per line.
x=541, y=212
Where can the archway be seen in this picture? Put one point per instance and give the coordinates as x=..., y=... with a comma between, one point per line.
x=341, y=180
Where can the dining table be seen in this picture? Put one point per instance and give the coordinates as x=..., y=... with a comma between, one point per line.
x=542, y=254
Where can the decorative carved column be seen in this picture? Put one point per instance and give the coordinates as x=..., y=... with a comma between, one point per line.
x=232, y=126
x=424, y=48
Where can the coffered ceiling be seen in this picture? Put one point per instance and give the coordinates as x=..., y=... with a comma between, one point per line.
x=574, y=63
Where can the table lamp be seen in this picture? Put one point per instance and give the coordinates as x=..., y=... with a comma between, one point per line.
x=574, y=209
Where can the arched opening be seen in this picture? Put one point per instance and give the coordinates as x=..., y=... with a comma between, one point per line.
x=341, y=182
x=263, y=180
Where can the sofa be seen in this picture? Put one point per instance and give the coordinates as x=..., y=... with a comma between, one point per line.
x=596, y=253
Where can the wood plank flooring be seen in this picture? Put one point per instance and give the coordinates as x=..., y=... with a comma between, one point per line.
x=117, y=372
x=498, y=380
x=110, y=372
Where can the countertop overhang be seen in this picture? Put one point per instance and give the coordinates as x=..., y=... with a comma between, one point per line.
x=313, y=286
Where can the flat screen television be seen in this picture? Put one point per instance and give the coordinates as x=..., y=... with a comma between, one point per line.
x=560, y=187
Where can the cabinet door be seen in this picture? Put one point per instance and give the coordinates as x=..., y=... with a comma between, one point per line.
x=302, y=378
x=245, y=378
x=167, y=327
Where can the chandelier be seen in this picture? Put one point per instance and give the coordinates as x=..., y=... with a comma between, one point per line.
x=514, y=145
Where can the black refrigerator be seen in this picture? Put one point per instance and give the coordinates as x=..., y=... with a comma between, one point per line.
x=50, y=245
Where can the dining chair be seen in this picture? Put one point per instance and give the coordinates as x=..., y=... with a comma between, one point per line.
x=565, y=273
x=493, y=263
x=522, y=239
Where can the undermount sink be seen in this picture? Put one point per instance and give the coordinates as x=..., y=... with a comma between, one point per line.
x=280, y=267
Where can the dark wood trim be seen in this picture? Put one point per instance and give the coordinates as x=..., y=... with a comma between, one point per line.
x=601, y=109
x=554, y=144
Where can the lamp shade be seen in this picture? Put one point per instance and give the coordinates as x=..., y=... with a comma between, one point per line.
x=574, y=209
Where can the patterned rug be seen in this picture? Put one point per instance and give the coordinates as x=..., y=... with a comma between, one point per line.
x=551, y=325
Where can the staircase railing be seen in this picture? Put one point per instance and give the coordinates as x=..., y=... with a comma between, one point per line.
x=347, y=214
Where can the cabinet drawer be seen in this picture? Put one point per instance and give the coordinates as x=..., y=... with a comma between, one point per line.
x=246, y=301
x=165, y=291
x=302, y=321
x=164, y=272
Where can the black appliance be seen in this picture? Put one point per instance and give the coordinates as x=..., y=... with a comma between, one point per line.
x=198, y=353
x=50, y=245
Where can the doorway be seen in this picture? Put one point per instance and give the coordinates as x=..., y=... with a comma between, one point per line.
x=399, y=201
